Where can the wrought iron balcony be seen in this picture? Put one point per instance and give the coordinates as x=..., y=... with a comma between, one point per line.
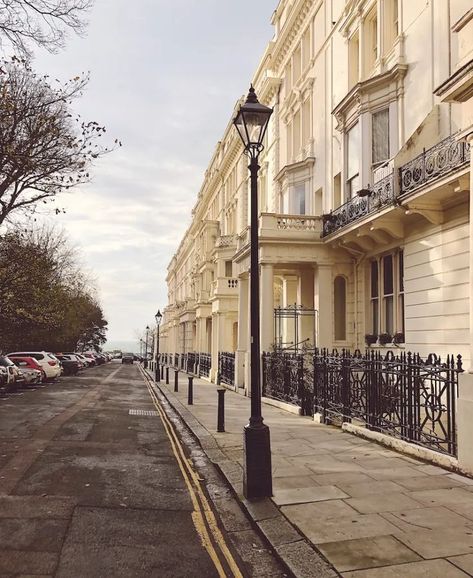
x=435, y=163
x=381, y=196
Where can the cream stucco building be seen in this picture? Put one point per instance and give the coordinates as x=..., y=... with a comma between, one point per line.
x=364, y=188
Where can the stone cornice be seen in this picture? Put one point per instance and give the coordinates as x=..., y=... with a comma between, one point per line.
x=459, y=86
x=291, y=29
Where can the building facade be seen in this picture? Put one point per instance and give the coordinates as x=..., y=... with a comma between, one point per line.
x=364, y=191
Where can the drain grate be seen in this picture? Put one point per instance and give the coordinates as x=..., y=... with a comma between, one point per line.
x=142, y=412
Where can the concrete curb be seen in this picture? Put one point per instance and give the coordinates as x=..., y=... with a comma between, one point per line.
x=290, y=546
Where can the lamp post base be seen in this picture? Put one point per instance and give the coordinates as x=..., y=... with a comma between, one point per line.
x=257, y=476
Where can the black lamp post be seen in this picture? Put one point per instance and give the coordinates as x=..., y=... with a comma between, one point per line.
x=251, y=122
x=141, y=346
x=146, y=347
x=157, y=373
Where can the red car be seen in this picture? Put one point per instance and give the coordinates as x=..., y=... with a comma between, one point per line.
x=30, y=362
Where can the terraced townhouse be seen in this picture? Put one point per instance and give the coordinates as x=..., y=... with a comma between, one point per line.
x=364, y=193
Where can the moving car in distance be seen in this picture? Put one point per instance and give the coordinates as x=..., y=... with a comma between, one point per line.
x=128, y=358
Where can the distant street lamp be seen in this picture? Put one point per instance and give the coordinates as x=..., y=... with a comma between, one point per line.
x=146, y=347
x=251, y=122
x=141, y=347
x=157, y=373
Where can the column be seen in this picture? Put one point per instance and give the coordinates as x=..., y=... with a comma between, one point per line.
x=465, y=380
x=305, y=298
x=243, y=345
x=323, y=300
x=267, y=307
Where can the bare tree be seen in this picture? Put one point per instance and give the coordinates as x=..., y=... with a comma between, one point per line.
x=43, y=23
x=44, y=148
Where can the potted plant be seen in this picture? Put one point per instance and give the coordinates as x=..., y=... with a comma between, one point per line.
x=398, y=338
x=370, y=338
x=384, y=338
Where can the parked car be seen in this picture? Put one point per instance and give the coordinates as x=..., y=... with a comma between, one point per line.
x=13, y=377
x=30, y=375
x=128, y=358
x=91, y=358
x=30, y=363
x=72, y=355
x=50, y=364
x=69, y=365
x=85, y=360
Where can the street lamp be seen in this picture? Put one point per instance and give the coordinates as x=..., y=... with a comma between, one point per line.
x=251, y=123
x=157, y=373
x=141, y=346
x=146, y=347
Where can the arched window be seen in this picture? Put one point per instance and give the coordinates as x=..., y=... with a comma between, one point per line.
x=340, y=301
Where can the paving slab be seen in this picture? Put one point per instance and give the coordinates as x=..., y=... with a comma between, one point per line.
x=370, y=488
x=440, y=542
x=367, y=553
x=464, y=562
x=312, y=494
x=443, y=497
x=427, y=519
x=425, y=569
x=383, y=503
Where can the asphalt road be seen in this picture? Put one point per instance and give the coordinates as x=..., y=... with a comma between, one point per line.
x=93, y=485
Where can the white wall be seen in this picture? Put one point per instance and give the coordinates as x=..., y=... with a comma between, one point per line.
x=436, y=270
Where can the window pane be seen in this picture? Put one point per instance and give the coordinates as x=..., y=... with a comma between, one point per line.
x=340, y=308
x=389, y=314
x=374, y=278
x=380, y=136
x=388, y=275
x=299, y=199
x=374, y=316
x=401, y=271
x=353, y=145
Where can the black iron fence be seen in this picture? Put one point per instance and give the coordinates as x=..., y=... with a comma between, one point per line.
x=226, y=367
x=403, y=395
x=205, y=362
x=284, y=379
x=192, y=362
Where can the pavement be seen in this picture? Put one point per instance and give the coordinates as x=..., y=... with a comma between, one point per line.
x=342, y=505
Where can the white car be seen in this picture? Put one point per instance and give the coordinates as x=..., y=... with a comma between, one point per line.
x=49, y=363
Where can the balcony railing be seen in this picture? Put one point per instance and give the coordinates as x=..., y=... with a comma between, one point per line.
x=435, y=163
x=381, y=196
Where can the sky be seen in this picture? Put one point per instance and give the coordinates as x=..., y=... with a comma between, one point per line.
x=165, y=77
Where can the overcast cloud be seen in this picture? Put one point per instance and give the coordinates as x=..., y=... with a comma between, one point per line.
x=164, y=80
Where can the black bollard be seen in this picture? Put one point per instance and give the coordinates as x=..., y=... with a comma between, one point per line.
x=221, y=409
x=167, y=375
x=176, y=374
x=162, y=371
x=156, y=373
x=190, y=391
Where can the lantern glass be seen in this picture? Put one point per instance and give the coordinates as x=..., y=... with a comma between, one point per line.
x=252, y=121
x=158, y=317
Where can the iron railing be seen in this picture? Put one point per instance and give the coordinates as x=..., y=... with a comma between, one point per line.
x=403, y=395
x=192, y=362
x=445, y=157
x=284, y=380
x=381, y=195
x=205, y=362
x=226, y=367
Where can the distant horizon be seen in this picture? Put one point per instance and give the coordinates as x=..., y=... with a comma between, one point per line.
x=132, y=346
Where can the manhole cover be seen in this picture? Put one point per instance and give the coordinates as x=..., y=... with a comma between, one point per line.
x=142, y=412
